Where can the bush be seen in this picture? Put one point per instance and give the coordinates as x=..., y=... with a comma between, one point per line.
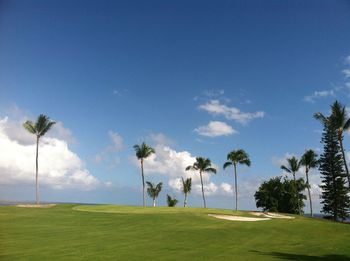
x=277, y=195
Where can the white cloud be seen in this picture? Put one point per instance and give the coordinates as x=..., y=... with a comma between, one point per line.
x=319, y=94
x=215, y=129
x=59, y=167
x=210, y=189
x=226, y=188
x=214, y=107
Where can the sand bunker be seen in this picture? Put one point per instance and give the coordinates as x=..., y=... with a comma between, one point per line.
x=270, y=215
x=237, y=218
x=36, y=206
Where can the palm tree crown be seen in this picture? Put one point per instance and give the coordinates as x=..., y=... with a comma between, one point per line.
x=154, y=190
x=233, y=158
x=237, y=157
x=309, y=159
x=293, y=165
x=143, y=151
x=42, y=125
x=202, y=165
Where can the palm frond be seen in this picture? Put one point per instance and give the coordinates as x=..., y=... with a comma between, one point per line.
x=29, y=126
x=210, y=169
x=320, y=117
x=227, y=164
x=286, y=169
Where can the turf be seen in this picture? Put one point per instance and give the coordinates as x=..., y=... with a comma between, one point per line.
x=105, y=232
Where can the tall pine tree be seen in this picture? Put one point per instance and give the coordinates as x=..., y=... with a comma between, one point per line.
x=335, y=198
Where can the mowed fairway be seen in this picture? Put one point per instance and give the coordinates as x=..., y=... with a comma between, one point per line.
x=106, y=232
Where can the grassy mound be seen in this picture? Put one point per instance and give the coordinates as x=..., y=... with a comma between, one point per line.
x=105, y=232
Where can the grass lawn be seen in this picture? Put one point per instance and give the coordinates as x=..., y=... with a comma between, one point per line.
x=105, y=232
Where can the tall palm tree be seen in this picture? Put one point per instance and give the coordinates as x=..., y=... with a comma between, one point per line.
x=186, y=188
x=202, y=165
x=143, y=152
x=154, y=190
x=309, y=160
x=233, y=158
x=293, y=167
x=42, y=125
x=342, y=123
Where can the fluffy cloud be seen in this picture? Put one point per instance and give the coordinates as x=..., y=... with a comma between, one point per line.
x=226, y=188
x=59, y=167
x=215, y=129
x=214, y=107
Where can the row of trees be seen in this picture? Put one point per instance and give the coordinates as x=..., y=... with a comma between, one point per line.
x=202, y=165
x=332, y=165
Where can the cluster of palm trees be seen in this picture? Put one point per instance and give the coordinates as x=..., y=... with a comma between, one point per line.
x=202, y=165
x=308, y=160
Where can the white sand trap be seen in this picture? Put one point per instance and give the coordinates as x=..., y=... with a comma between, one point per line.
x=270, y=215
x=36, y=206
x=237, y=218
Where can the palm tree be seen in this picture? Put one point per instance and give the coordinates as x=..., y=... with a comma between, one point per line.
x=186, y=188
x=342, y=123
x=293, y=167
x=237, y=157
x=154, y=190
x=202, y=165
x=309, y=160
x=143, y=152
x=42, y=125
x=171, y=201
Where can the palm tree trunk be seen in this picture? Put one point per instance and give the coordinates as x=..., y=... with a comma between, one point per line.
x=344, y=158
x=36, y=172
x=200, y=174
x=185, y=201
x=154, y=202
x=143, y=184
x=236, y=192
x=296, y=193
x=308, y=190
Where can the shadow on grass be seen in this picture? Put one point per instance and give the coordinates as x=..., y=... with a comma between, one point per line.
x=288, y=256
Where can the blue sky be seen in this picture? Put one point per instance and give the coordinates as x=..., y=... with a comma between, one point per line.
x=116, y=73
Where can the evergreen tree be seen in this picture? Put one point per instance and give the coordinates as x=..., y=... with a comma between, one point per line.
x=335, y=198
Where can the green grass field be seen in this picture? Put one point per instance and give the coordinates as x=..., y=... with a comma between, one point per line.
x=105, y=232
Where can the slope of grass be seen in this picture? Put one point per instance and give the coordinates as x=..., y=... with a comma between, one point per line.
x=105, y=232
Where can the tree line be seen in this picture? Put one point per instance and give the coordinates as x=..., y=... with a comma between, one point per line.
x=273, y=195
